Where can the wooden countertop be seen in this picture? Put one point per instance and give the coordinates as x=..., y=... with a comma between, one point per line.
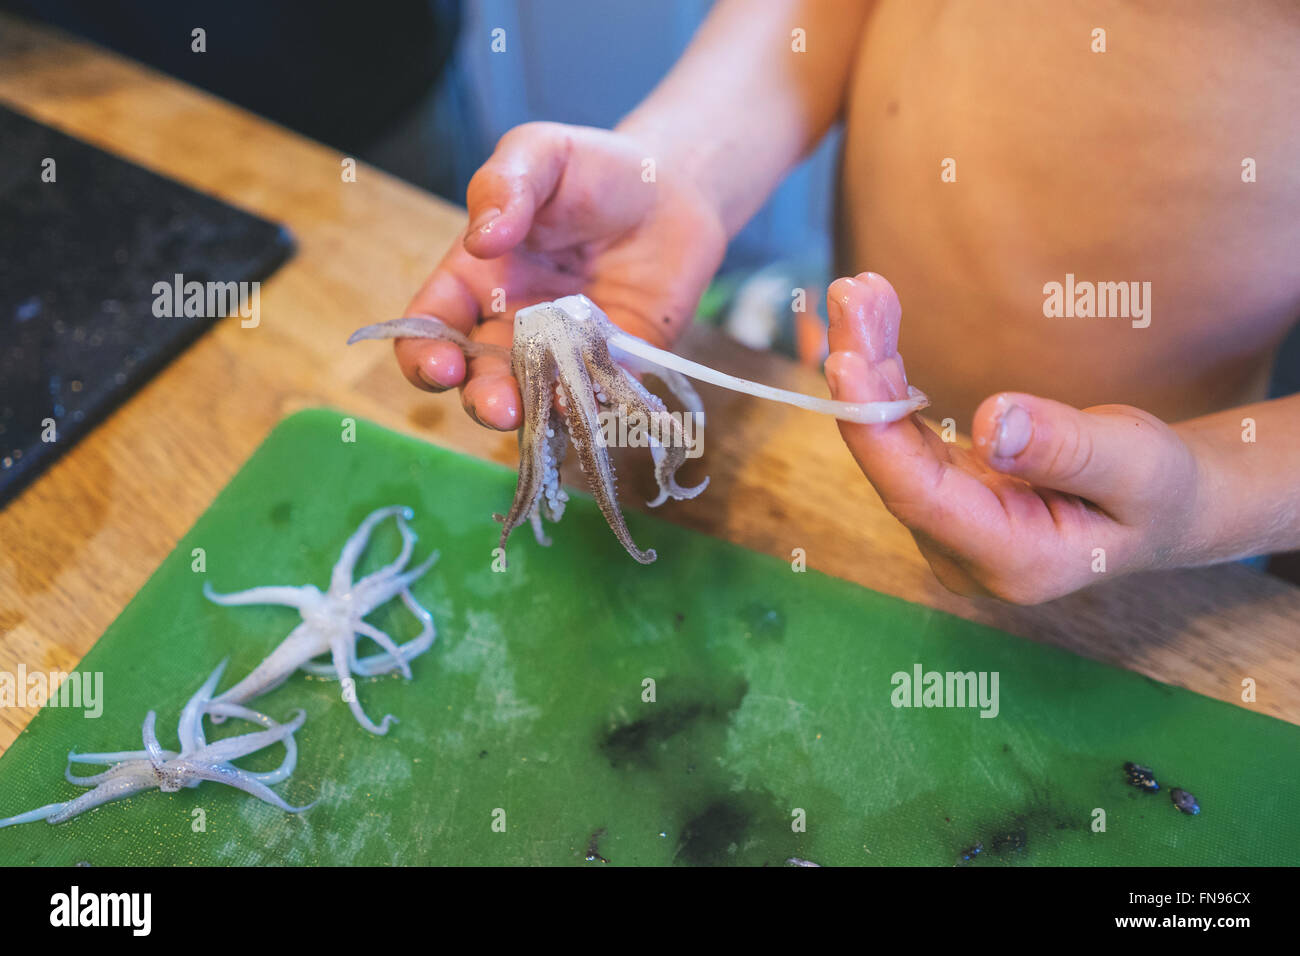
x=80, y=541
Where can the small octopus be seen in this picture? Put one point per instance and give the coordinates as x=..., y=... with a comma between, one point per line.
x=133, y=771
x=332, y=622
x=573, y=365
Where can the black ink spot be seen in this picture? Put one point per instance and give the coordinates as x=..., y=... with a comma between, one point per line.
x=482, y=754
x=637, y=743
x=1044, y=819
x=1011, y=841
x=593, y=847
x=280, y=513
x=709, y=836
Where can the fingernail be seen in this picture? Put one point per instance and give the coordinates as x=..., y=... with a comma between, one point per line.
x=484, y=219
x=834, y=310
x=835, y=304
x=1014, y=431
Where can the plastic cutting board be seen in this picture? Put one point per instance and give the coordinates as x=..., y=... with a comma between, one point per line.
x=773, y=734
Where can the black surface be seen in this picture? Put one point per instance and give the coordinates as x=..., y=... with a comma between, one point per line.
x=335, y=70
x=79, y=258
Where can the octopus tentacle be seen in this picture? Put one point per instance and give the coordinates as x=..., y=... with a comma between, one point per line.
x=341, y=577
x=584, y=431
x=156, y=755
x=113, y=772
x=119, y=756
x=285, y=770
x=242, y=780
x=678, y=384
x=40, y=813
x=303, y=643
x=354, y=701
x=554, y=497
x=107, y=792
x=296, y=597
x=387, y=643
x=190, y=727
x=536, y=469
x=426, y=327
x=633, y=396
x=232, y=748
x=376, y=664
x=373, y=591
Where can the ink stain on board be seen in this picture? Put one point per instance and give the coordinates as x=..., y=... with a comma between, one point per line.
x=740, y=828
x=675, y=716
x=718, y=829
x=593, y=848
x=1016, y=835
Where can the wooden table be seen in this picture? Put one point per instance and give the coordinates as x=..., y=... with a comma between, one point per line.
x=79, y=543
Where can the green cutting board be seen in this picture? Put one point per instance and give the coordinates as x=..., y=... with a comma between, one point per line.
x=772, y=734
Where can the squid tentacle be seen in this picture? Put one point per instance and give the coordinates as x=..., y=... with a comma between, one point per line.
x=294, y=597
x=341, y=576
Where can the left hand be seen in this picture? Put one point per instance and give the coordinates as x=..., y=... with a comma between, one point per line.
x=1020, y=515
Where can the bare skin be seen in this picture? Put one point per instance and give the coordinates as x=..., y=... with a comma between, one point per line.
x=1123, y=165
x=1115, y=166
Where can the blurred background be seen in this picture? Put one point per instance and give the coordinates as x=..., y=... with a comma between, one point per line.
x=414, y=88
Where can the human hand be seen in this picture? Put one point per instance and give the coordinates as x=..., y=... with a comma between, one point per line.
x=555, y=211
x=1021, y=514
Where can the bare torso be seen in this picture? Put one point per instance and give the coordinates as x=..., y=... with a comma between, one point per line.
x=1119, y=166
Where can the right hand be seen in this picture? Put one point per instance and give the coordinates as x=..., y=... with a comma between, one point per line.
x=557, y=210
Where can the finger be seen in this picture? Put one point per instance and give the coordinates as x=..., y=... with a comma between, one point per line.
x=1107, y=455
x=506, y=192
x=903, y=461
x=865, y=366
x=426, y=363
x=491, y=394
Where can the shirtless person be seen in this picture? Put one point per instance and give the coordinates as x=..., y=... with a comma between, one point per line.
x=991, y=149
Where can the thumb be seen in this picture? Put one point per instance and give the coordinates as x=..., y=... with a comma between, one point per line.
x=1104, y=454
x=506, y=191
